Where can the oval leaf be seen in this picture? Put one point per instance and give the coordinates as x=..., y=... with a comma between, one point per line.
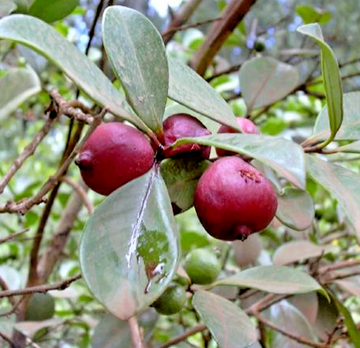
x=289, y=318
x=52, y=10
x=181, y=177
x=16, y=86
x=298, y=250
x=111, y=332
x=331, y=76
x=343, y=183
x=307, y=304
x=284, y=156
x=274, y=279
x=44, y=39
x=137, y=54
x=350, y=128
x=6, y=7
x=265, y=80
x=129, y=250
x=295, y=208
x=228, y=324
x=189, y=89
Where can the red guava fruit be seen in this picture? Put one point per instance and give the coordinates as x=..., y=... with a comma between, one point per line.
x=114, y=154
x=233, y=199
x=183, y=126
x=247, y=126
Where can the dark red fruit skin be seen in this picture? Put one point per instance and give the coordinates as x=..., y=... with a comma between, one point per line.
x=114, y=154
x=182, y=126
x=233, y=199
x=247, y=126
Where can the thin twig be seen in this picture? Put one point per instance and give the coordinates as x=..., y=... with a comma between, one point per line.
x=179, y=19
x=28, y=151
x=184, y=336
x=81, y=192
x=14, y=308
x=188, y=26
x=297, y=338
x=12, y=236
x=7, y=339
x=25, y=205
x=40, y=288
x=230, y=70
x=339, y=265
x=137, y=340
x=220, y=30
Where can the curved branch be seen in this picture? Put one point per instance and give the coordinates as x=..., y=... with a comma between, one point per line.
x=219, y=32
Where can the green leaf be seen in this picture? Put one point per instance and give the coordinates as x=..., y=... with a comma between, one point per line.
x=289, y=318
x=129, y=250
x=111, y=332
x=274, y=279
x=343, y=183
x=310, y=14
x=52, y=10
x=189, y=89
x=284, y=156
x=298, y=250
x=17, y=86
x=295, y=208
x=228, y=324
x=307, y=304
x=265, y=80
x=6, y=7
x=326, y=318
x=331, y=76
x=353, y=331
x=137, y=54
x=41, y=37
x=350, y=128
x=181, y=177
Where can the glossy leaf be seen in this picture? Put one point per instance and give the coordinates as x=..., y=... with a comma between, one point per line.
x=274, y=279
x=350, y=128
x=111, y=332
x=16, y=86
x=353, y=331
x=310, y=14
x=298, y=250
x=187, y=88
x=137, y=54
x=326, y=318
x=129, y=249
x=331, y=77
x=307, y=304
x=44, y=39
x=228, y=324
x=52, y=10
x=295, y=208
x=343, y=183
x=265, y=80
x=181, y=177
x=284, y=156
x=6, y=7
x=289, y=318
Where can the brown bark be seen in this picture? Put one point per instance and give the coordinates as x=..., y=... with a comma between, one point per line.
x=219, y=32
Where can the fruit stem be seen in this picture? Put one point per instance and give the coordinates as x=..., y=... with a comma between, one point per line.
x=136, y=338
